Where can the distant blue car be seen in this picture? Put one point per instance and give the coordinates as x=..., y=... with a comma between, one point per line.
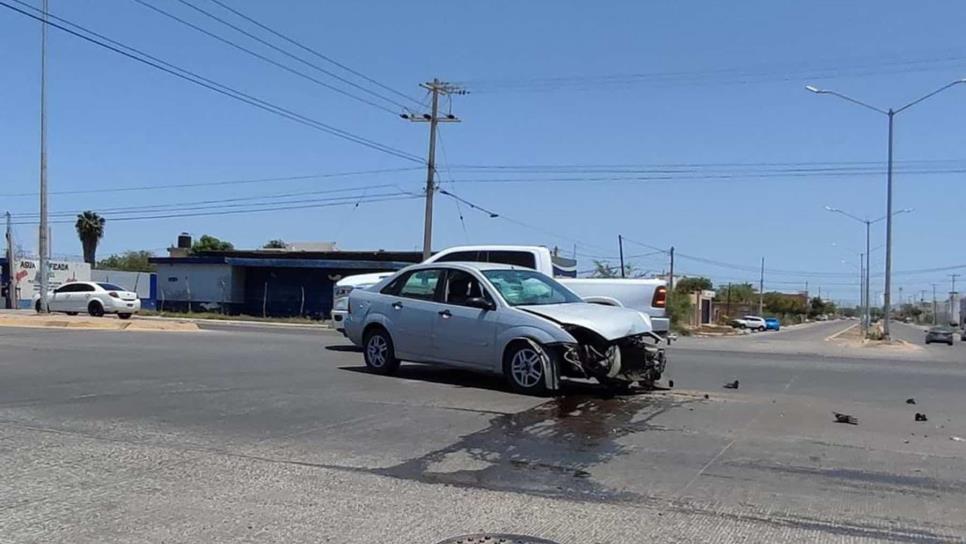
x=772, y=324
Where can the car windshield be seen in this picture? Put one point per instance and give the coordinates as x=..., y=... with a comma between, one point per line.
x=529, y=288
x=111, y=287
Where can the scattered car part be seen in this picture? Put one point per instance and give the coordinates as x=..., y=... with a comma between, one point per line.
x=910, y=401
x=845, y=418
x=731, y=385
x=921, y=417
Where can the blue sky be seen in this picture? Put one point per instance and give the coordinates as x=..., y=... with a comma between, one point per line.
x=722, y=84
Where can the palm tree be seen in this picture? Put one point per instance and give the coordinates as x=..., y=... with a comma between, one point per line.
x=90, y=229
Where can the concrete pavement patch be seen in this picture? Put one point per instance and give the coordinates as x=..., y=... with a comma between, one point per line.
x=107, y=323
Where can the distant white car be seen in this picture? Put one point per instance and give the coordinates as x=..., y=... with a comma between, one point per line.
x=752, y=322
x=93, y=298
x=340, y=294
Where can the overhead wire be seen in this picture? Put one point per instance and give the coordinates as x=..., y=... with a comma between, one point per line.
x=233, y=211
x=314, y=51
x=181, y=73
x=261, y=57
x=216, y=183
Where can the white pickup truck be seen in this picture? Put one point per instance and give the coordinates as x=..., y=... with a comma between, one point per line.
x=647, y=296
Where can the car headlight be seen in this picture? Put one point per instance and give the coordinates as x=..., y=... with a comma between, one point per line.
x=341, y=304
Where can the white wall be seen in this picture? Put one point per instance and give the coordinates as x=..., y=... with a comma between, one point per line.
x=198, y=283
x=139, y=282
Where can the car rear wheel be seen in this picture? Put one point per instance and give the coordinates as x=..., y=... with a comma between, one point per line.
x=379, y=354
x=523, y=368
x=71, y=313
x=95, y=309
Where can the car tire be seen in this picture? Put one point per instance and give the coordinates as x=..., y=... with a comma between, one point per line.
x=71, y=313
x=37, y=305
x=379, y=353
x=94, y=309
x=523, y=368
x=124, y=316
x=761, y=329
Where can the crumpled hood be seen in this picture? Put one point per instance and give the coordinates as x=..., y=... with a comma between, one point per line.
x=611, y=322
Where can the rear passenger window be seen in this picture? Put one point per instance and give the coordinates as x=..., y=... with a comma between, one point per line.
x=513, y=258
x=421, y=284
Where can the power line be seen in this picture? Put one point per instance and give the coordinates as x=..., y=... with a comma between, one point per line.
x=315, y=52
x=217, y=183
x=216, y=201
x=235, y=212
x=263, y=58
x=209, y=84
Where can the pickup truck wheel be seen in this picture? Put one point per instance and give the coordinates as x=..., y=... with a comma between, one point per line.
x=379, y=353
x=523, y=368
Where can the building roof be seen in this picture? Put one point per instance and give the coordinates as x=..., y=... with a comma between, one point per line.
x=299, y=259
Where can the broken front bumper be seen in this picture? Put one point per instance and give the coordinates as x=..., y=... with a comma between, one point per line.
x=631, y=359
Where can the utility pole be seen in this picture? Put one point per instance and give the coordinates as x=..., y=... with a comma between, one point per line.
x=865, y=325
x=953, y=277
x=436, y=88
x=761, y=288
x=11, y=270
x=43, y=234
x=934, y=305
x=729, y=300
x=620, y=245
x=671, y=274
x=953, y=316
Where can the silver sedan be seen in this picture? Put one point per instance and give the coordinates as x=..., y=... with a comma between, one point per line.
x=502, y=319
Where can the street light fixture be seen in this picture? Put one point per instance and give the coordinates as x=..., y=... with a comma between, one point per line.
x=868, y=227
x=890, y=113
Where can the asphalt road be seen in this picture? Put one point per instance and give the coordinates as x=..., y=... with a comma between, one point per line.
x=281, y=436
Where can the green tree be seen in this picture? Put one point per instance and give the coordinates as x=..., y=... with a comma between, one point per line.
x=130, y=261
x=782, y=304
x=602, y=269
x=690, y=285
x=90, y=230
x=275, y=244
x=737, y=293
x=210, y=243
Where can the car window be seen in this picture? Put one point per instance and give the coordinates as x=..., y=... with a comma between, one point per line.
x=68, y=288
x=464, y=256
x=421, y=284
x=111, y=287
x=461, y=286
x=83, y=288
x=529, y=287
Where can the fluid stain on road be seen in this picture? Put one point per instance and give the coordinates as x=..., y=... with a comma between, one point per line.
x=549, y=450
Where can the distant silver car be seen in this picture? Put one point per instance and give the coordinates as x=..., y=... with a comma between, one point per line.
x=943, y=335
x=503, y=319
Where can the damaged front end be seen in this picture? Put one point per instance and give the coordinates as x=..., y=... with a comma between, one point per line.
x=636, y=358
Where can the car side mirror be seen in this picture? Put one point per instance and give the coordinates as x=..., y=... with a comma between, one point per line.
x=481, y=303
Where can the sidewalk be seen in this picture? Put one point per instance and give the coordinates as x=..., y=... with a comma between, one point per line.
x=31, y=319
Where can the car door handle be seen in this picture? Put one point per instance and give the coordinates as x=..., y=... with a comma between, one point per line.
x=445, y=314
x=397, y=305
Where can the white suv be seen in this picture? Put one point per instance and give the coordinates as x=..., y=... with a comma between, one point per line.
x=752, y=322
x=93, y=298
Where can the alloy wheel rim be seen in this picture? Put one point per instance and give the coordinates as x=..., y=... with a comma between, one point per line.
x=376, y=350
x=526, y=368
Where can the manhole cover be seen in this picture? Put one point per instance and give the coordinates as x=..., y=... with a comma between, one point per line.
x=494, y=538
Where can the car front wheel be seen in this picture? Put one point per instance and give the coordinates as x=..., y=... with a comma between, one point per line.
x=523, y=367
x=379, y=354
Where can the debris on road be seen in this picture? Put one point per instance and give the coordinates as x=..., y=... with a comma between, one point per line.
x=706, y=397
x=845, y=418
x=731, y=385
x=921, y=417
x=957, y=439
x=910, y=401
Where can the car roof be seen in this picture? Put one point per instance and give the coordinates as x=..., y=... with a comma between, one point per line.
x=470, y=265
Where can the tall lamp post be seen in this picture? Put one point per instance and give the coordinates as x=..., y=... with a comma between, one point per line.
x=890, y=113
x=868, y=228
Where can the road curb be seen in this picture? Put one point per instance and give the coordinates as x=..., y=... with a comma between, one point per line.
x=841, y=332
x=239, y=322
x=96, y=324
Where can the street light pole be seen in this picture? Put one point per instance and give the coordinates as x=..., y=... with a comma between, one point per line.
x=890, y=113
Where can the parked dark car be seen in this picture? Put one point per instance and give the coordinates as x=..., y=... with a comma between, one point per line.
x=939, y=334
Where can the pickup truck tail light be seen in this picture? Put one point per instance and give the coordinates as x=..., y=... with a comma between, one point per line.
x=660, y=297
